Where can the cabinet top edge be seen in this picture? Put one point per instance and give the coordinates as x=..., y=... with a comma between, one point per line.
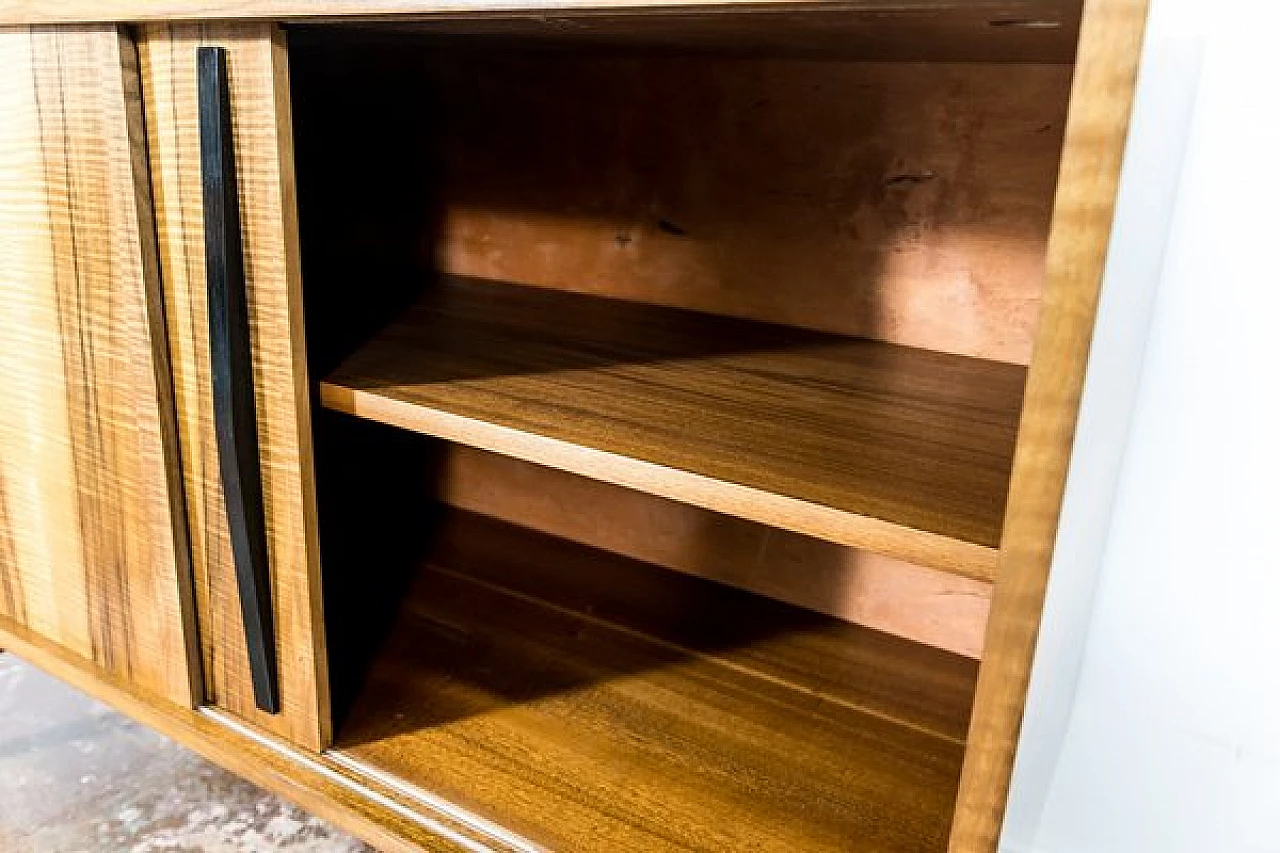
x=1032, y=13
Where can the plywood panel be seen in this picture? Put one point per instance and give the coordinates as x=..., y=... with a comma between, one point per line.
x=257, y=68
x=93, y=553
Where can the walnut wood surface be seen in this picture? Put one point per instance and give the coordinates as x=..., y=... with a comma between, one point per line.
x=1111, y=43
x=984, y=30
x=257, y=69
x=93, y=554
x=899, y=598
x=894, y=449
x=589, y=702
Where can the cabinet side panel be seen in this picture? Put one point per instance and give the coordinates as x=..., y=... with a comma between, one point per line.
x=257, y=70
x=92, y=542
x=1097, y=126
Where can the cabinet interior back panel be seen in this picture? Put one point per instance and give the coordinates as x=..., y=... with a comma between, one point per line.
x=907, y=202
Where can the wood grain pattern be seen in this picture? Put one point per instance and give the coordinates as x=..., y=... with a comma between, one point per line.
x=906, y=202
x=92, y=534
x=896, y=450
x=588, y=702
x=924, y=605
x=1111, y=43
x=362, y=806
x=990, y=30
x=257, y=68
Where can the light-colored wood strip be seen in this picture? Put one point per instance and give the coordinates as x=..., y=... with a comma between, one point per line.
x=1111, y=40
x=169, y=468
x=12, y=602
x=35, y=415
x=95, y=553
x=259, y=85
x=896, y=450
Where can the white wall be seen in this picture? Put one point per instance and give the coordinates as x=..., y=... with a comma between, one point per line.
x=1154, y=721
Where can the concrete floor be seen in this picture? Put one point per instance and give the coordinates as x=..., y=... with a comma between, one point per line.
x=76, y=777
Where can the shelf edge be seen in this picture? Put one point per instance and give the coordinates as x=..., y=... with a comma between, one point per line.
x=35, y=12
x=932, y=550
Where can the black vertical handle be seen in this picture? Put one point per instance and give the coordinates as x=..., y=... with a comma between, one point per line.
x=235, y=418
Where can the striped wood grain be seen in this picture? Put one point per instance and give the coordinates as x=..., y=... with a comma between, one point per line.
x=1097, y=125
x=257, y=67
x=92, y=535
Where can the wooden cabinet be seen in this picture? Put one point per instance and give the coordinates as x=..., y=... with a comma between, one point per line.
x=661, y=414
x=93, y=552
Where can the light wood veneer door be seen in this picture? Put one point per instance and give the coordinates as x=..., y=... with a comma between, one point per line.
x=93, y=551
x=257, y=69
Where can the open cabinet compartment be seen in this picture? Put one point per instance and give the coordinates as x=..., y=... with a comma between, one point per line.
x=582, y=699
x=571, y=293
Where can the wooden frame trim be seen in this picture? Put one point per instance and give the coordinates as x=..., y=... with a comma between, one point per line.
x=82, y=11
x=1088, y=179
x=153, y=283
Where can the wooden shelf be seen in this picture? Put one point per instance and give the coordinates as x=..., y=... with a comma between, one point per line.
x=589, y=702
x=898, y=450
